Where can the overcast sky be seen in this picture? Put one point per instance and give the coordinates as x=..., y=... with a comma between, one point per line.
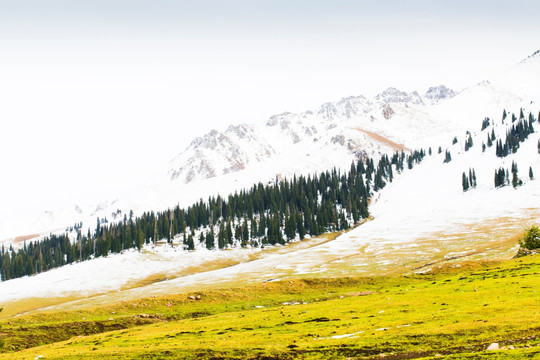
x=97, y=95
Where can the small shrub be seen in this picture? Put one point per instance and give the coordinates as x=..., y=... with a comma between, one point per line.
x=531, y=240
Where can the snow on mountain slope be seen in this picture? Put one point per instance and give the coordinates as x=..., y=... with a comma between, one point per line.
x=333, y=135
x=523, y=78
x=32, y=225
x=421, y=218
x=287, y=144
x=403, y=118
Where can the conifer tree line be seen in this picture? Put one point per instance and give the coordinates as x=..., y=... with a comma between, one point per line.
x=262, y=215
x=518, y=131
x=517, y=134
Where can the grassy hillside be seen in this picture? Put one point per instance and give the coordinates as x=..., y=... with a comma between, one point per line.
x=454, y=312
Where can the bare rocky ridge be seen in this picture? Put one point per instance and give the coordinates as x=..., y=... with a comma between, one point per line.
x=216, y=153
x=393, y=95
x=437, y=94
x=220, y=153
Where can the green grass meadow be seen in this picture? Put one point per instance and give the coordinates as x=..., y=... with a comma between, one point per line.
x=454, y=312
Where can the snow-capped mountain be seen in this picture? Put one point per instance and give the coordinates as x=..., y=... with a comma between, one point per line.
x=437, y=94
x=393, y=95
x=350, y=123
x=217, y=153
x=355, y=125
x=332, y=135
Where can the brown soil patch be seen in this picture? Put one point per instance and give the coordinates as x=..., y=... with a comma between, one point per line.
x=383, y=140
x=22, y=238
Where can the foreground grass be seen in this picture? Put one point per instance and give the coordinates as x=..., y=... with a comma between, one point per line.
x=455, y=313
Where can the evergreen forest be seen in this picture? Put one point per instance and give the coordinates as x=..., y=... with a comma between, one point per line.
x=276, y=213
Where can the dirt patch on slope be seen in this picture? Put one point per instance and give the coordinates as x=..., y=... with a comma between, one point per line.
x=383, y=140
x=22, y=238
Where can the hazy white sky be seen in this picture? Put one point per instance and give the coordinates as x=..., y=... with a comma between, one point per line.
x=97, y=95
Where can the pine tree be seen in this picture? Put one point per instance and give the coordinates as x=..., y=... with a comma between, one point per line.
x=468, y=143
x=485, y=123
x=465, y=182
x=245, y=233
x=229, y=234
x=190, y=243
x=515, y=180
x=210, y=239
x=253, y=229
x=221, y=236
x=238, y=233
x=531, y=175
x=300, y=227
x=201, y=238
x=447, y=157
x=514, y=167
x=140, y=239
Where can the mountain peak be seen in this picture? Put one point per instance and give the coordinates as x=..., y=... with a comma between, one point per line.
x=393, y=95
x=436, y=94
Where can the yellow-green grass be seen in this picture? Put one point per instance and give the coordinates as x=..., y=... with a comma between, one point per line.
x=454, y=312
x=137, y=288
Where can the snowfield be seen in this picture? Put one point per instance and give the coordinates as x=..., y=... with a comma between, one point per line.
x=420, y=219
